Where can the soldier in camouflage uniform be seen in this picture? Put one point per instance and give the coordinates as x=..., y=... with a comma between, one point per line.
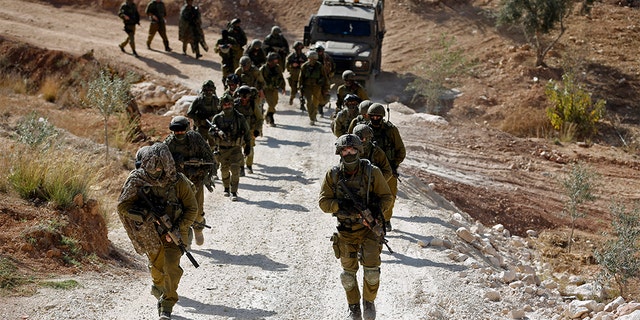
x=354, y=242
x=255, y=53
x=190, y=29
x=362, y=118
x=276, y=42
x=371, y=151
x=203, y=108
x=350, y=86
x=330, y=69
x=342, y=120
x=387, y=137
x=236, y=32
x=228, y=49
x=193, y=158
x=157, y=14
x=174, y=193
x=230, y=131
x=314, y=84
x=274, y=82
x=250, y=75
x=295, y=60
x=130, y=16
x=245, y=103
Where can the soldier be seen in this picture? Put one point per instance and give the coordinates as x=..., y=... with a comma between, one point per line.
x=387, y=137
x=232, y=82
x=157, y=14
x=236, y=32
x=276, y=42
x=363, y=107
x=255, y=53
x=350, y=86
x=294, y=62
x=193, y=158
x=130, y=16
x=341, y=122
x=228, y=49
x=250, y=75
x=274, y=82
x=245, y=103
x=354, y=241
x=157, y=180
x=313, y=84
x=203, y=108
x=371, y=151
x=330, y=70
x=230, y=131
x=190, y=29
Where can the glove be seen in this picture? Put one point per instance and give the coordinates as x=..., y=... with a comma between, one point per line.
x=256, y=133
x=247, y=150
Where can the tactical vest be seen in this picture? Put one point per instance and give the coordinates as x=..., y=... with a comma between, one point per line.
x=382, y=138
x=231, y=127
x=273, y=77
x=313, y=74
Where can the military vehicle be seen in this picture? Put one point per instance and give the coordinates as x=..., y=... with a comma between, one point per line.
x=351, y=31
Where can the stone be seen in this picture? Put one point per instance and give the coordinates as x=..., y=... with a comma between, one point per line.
x=465, y=234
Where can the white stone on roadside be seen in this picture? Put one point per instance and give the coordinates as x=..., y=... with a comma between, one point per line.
x=492, y=295
x=613, y=305
x=632, y=316
x=436, y=242
x=516, y=284
x=576, y=310
x=517, y=314
x=532, y=233
x=465, y=234
x=498, y=228
x=507, y=276
x=447, y=244
x=422, y=244
x=628, y=308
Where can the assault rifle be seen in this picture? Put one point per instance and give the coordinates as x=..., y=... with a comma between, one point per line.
x=166, y=226
x=367, y=216
x=208, y=181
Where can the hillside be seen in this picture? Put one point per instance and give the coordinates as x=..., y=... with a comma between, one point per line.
x=493, y=176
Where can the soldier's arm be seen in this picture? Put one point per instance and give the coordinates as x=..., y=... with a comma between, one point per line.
x=327, y=201
x=381, y=161
x=381, y=189
x=187, y=196
x=362, y=94
x=400, y=150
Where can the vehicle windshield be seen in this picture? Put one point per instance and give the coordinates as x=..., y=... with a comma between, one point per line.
x=356, y=28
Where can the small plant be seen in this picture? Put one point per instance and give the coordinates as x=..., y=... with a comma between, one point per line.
x=63, y=285
x=50, y=89
x=620, y=256
x=9, y=277
x=443, y=65
x=572, y=105
x=578, y=186
x=36, y=131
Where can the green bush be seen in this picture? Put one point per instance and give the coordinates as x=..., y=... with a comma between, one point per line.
x=572, y=106
x=35, y=131
x=578, y=185
x=9, y=276
x=620, y=256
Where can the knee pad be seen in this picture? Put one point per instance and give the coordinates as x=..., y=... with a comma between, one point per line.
x=372, y=275
x=348, y=280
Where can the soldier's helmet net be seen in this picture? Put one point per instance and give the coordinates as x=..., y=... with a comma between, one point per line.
x=245, y=61
x=208, y=85
x=226, y=98
x=376, y=109
x=351, y=100
x=276, y=30
x=273, y=56
x=244, y=91
x=348, y=140
x=312, y=55
x=348, y=75
x=363, y=131
x=179, y=123
x=256, y=44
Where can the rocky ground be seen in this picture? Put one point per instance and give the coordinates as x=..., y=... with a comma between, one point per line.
x=267, y=256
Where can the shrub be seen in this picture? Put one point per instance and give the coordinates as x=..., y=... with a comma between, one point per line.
x=620, y=256
x=578, y=186
x=572, y=105
x=35, y=131
x=9, y=276
x=50, y=89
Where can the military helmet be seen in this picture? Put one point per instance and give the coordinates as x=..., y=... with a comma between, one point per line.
x=244, y=90
x=273, y=56
x=376, y=109
x=312, y=55
x=363, y=107
x=208, y=84
x=245, y=61
x=363, y=131
x=276, y=30
x=235, y=21
x=351, y=97
x=319, y=48
x=348, y=140
x=179, y=123
x=256, y=43
x=348, y=75
x=233, y=78
x=298, y=44
x=226, y=98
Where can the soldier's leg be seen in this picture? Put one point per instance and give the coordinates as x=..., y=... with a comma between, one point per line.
x=153, y=28
x=393, y=186
x=370, y=255
x=310, y=95
x=156, y=268
x=349, y=262
x=173, y=274
x=248, y=160
x=271, y=96
x=293, y=84
x=184, y=47
x=132, y=42
x=225, y=168
x=236, y=161
x=196, y=49
x=162, y=30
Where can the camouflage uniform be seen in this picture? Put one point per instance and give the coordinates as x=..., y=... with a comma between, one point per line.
x=276, y=42
x=355, y=242
x=230, y=131
x=362, y=117
x=193, y=147
x=344, y=90
x=171, y=191
x=255, y=53
x=130, y=16
x=372, y=152
x=190, y=29
x=314, y=84
x=228, y=49
x=203, y=108
x=274, y=82
x=295, y=60
x=330, y=70
x=157, y=13
x=341, y=122
x=245, y=103
x=251, y=76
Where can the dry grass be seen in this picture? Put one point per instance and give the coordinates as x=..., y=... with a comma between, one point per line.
x=13, y=83
x=527, y=122
x=50, y=88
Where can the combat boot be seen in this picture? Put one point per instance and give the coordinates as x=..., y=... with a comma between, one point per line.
x=234, y=196
x=165, y=316
x=198, y=236
x=369, y=310
x=302, y=103
x=121, y=47
x=250, y=169
x=354, y=312
x=226, y=192
x=291, y=100
x=242, y=174
x=320, y=110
